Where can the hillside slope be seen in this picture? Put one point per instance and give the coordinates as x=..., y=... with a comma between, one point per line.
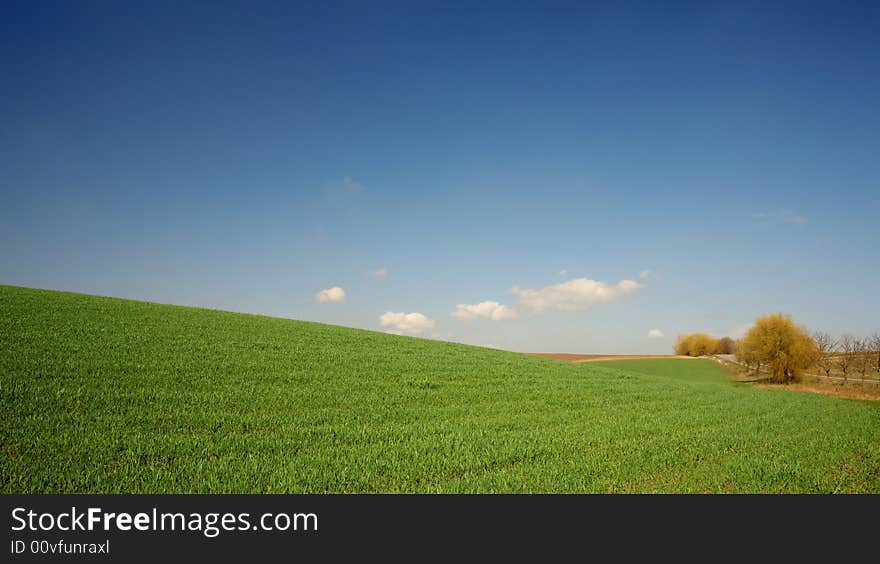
x=110, y=395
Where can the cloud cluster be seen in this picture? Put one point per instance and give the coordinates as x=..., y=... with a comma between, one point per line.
x=399, y=322
x=655, y=334
x=572, y=295
x=330, y=295
x=488, y=310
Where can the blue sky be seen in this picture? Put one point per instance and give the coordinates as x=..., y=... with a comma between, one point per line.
x=723, y=157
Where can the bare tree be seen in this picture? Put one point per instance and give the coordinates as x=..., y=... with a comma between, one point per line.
x=826, y=344
x=745, y=354
x=861, y=348
x=875, y=348
x=847, y=352
x=725, y=345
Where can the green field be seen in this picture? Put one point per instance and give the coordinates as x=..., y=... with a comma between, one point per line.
x=109, y=395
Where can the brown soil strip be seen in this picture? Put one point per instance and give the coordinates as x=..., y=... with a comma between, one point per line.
x=594, y=357
x=851, y=391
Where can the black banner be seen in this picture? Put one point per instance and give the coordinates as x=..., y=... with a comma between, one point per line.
x=130, y=528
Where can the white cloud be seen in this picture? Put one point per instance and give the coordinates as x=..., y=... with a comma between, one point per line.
x=572, y=295
x=785, y=215
x=330, y=295
x=488, y=310
x=645, y=274
x=379, y=273
x=563, y=272
x=406, y=322
x=655, y=334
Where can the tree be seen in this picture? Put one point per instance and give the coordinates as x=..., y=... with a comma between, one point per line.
x=694, y=344
x=702, y=344
x=825, y=347
x=847, y=353
x=682, y=345
x=747, y=356
x=725, y=345
x=862, y=356
x=875, y=348
x=787, y=349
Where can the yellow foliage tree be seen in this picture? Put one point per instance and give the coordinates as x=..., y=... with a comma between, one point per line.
x=695, y=344
x=785, y=348
x=702, y=344
x=682, y=346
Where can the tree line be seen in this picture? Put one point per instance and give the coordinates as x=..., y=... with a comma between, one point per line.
x=785, y=349
x=701, y=344
x=848, y=354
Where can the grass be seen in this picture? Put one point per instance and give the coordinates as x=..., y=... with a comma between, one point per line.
x=109, y=395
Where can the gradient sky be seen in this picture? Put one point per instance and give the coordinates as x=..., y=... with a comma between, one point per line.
x=245, y=156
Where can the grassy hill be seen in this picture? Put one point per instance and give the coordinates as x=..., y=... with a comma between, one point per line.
x=109, y=395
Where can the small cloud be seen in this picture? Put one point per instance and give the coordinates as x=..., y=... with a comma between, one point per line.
x=488, y=310
x=343, y=191
x=414, y=323
x=563, y=272
x=573, y=295
x=783, y=215
x=655, y=334
x=330, y=295
x=379, y=273
x=645, y=274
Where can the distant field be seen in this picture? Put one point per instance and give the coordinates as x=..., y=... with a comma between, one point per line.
x=569, y=357
x=108, y=395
